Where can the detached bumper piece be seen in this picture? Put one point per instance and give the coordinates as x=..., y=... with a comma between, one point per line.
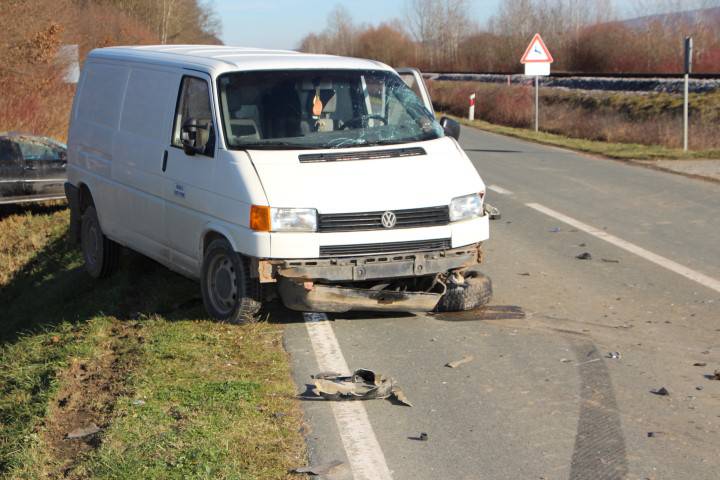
x=312, y=297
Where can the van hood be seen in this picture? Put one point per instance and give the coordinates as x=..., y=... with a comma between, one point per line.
x=412, y=180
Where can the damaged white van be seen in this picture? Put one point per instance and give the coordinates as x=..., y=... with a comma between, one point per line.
x=321, y=179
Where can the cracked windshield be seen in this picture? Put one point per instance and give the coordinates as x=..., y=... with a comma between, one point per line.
x=316, y=109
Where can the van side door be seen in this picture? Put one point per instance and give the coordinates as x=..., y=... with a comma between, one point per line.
x=11, y=171
x=188, y=175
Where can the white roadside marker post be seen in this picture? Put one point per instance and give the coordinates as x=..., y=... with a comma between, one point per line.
x=686, y=103
x=537, y=60
x=471, y=112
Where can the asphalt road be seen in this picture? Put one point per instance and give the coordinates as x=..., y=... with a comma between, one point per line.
x=540, y=400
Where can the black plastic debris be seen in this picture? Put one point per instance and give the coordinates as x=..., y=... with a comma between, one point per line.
x=715, y=375
x=699, y=364
x=614, y=355
x=654, y=434
x=584, y=256
x=361, y=385
x=320, y=469
x=662, y=391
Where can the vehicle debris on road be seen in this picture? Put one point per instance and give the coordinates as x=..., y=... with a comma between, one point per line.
x=584, y=256
x=321, y=469
x=662, y=391
x=420, y=438
x=699, y=364
x=610, y=260
x=715, y=375
x=462, y=361
x=614, y=355
x=492, y=211
x=361, y=385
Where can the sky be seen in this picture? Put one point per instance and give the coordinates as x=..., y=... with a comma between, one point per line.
x=283, y=23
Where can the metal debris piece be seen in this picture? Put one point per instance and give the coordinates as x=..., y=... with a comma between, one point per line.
x=361, y=385
x=715, y=375
x=82, y=432
x=462, y=361
x=584, y=256
x=662, y=391
x=614, y=355
x=699, y=364
x=610, y=260
x=421, y=438
x=492, y=211
x=321, y=469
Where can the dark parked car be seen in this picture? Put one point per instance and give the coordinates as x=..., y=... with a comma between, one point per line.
x=31, y=168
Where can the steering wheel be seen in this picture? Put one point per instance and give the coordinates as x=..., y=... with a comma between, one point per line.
x=362, y=121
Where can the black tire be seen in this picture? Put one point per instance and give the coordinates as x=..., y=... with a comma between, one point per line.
x=474, y=293
x=228, y=292
x=101, y=255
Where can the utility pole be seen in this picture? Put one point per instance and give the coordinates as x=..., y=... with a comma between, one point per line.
x=686, y=104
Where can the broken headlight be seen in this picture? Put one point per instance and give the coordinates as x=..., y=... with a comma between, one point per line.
x=467, y=207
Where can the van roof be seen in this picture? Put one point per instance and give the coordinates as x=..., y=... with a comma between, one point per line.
x=217, y=59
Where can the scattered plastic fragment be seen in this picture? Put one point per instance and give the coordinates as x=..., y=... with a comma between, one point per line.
x=699, y=364
x=584, y=256
x=614, y=355
x=715, y=375
x=138, y=402
x=610, y=260
x=82, y=432
x=462, y=361
x=492, y=211
x=654, y=434
x=582, y=245
x=420, y=438
x=524, y=274
x=555, y=230
x=699, y=388
x=662, y=391
x=321, y=469
x=361, y=385
x=565, y=360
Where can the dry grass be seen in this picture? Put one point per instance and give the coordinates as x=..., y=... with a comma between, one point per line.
x=217, y=400
x=641, y=119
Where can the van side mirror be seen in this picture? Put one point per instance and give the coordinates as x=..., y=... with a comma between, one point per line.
x=451, y=127
x=195, y=135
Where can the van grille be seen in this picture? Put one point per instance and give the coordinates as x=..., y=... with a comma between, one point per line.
x=416, y=217
x=393, y=247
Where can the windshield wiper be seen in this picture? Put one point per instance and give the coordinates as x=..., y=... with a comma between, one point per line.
x=275, y=146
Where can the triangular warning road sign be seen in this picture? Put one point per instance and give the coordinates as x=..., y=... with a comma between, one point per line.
x=537, y=52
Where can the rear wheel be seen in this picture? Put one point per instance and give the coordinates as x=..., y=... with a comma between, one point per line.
x=101, y=255
x=228, y=292
x=474, y=292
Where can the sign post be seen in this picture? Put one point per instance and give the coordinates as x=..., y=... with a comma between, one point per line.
x=537, y=60
x=471, y=112
x=686, y=105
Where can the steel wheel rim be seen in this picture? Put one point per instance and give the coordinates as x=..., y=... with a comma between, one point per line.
x=221, y=280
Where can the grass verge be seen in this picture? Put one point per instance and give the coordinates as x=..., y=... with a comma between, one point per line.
x=623, y=151
x=173, y=394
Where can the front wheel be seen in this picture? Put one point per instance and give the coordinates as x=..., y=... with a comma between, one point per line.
x=228, y=292
x=474, y=292
x=101, y=255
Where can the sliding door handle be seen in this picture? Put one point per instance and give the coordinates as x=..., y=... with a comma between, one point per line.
x=164, y=164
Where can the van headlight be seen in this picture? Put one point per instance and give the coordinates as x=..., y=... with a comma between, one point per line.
x=271, y=219
x=293, y=219
x=466, y=207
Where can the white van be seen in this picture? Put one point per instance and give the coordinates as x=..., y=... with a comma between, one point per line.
x=323, y=179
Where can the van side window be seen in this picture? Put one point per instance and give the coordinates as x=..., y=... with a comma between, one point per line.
x=195, y=115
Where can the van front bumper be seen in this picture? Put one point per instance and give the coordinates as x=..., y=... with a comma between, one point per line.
x=375, y=267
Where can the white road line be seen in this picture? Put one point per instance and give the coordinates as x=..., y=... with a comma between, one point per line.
x=686, y=272
x=367, y=460
x=499, y=189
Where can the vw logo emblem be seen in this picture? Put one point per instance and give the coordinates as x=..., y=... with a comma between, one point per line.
x=389, y=219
